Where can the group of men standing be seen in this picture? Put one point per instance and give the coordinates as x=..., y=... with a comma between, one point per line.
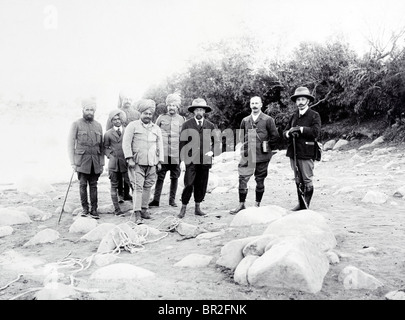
x=140, y=152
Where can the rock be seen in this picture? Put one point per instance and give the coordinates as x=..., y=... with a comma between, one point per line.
x=332, y=257
x=354, y=278
x=189, y=230
x=257, y=247
x=329, y=145
x=340, y=144
x=194, y=260
x=121, y=271
x=102, y=260
x=210, y=235
x=240, y=274
x=9, y=217
x=5, y=231
x=43, y=236
x=395, y=295
x=98, y=232
x=367, y=250
x=260, y=215
x=291, y=262
x=375, y=197
x=365, y=146
x=57, y=291
x=304, y=223
x=400, y=192
x=377, y=141
x=34, y=213
x=231, y=253
x=83, y=225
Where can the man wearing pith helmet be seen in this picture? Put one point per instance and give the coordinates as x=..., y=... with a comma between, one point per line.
x=197, y=142
x=301, y=132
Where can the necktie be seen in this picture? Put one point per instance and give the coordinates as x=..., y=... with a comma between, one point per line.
x=119, y=132
x=199, y=123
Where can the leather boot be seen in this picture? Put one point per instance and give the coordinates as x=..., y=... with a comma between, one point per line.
x=238, y=208
x=182, y=211
x=301, y=204
x=173, y=190
x=257, y=204
x=83, y=200
x=309, y=191
x=137, y=215
x=94, y=201
x=242, y=199
x=127, y=195
x=114, y=198
x=145, y=214
x=156, y=195
x=198, y=211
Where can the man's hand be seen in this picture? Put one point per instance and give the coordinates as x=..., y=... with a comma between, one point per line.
x=131, y=163
x=209, y=154
x=74, y=167
x=294, y=131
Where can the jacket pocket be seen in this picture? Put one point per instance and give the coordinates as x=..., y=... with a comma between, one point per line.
x=309, y=149
x=78, y=157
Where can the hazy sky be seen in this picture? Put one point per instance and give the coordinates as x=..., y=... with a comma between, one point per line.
x=62, y=49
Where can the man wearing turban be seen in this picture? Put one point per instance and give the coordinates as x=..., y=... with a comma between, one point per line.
x=85, y=149
x=143, y=149
x=170, y=123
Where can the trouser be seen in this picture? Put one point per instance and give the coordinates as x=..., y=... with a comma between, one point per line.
x=260, y=171
x=142, y=179
x=306, y=171
x=91, y=180
x=195, y=180
x=175, y=172
x=124, y=184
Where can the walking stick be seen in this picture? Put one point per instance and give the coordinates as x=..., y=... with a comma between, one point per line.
x=67, y=191
x=297, y=176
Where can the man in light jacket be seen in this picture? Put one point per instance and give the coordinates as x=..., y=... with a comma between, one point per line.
x=143, y=149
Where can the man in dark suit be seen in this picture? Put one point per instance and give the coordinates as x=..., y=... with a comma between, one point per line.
x=259, y=135
x=302, y=130
x=117, y=165
x=197, y=142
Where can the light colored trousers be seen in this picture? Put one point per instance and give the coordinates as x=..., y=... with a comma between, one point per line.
x=142, y=180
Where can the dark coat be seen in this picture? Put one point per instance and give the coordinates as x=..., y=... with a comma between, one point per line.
x=195, y=142
x=85, y=146
x=305, y=143
x=113, y=150
x=254, y=133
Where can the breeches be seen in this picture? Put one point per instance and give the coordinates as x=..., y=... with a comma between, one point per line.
x=306, y=171
x=245, y=172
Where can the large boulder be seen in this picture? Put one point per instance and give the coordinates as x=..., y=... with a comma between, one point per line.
x=43, y=236
x=83, y=225
x=98, y=232
x=10, y=217
x=257, y=215
x=307, y=224
x=290, y=262
x=354, y=278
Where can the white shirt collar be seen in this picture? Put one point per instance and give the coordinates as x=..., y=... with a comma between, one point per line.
x=196, y=120
x=254, y=117
x=303, y=111
x=116, y=128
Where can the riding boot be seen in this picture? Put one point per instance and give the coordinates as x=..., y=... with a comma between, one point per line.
x=182, y=211
x=259, y=196
x=198, y=211
x=145, y=214
x=241, y=206
x=84, y=200
x=93, y=201
x=120, y=190
x=257, y=204
x=301, y=204
x=309, y=191
x=173, y=190
x=156, y=195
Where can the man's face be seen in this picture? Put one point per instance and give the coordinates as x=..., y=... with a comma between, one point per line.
x=88, y=113
x=301, y=102
x=126, y=102
x=146, y=116
x=116, y=121
x=172, y=108
x=256, y=104
x=199, y=113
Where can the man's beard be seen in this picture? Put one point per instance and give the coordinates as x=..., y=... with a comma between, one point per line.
x=198, y=116
x=89, y=117
x=146, y=120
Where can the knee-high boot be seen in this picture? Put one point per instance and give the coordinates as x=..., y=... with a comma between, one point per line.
x=309, y=191
x=83, y=199
x=114, y=198
x=173, y=190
